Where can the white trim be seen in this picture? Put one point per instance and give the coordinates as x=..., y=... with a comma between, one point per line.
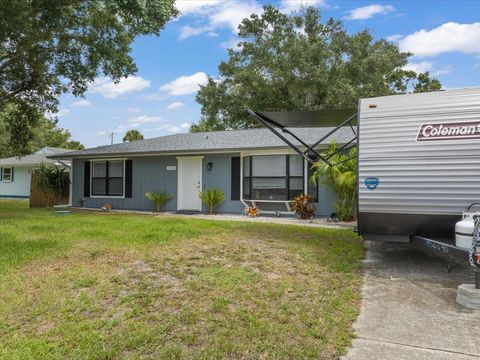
x=253, y=202
x=91, y=177
x=305, y=176
x=70, y=195
x=3, y=173
x=179, y=180
x=269, y=152
x=276, y=150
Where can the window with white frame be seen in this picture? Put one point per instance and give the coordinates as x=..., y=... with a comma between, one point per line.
x=7, y=174
x=272, y=177
x=107, y=178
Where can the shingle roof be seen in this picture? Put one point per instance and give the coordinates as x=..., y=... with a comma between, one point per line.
x=48, y=150
x=232, y=140
x=35, y=159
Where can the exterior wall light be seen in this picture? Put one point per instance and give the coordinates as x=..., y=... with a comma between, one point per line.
x=209, y=166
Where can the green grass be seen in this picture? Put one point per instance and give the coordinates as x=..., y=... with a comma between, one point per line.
x=116, y=286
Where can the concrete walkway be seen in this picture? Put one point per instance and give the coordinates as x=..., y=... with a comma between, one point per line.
x=409, y=310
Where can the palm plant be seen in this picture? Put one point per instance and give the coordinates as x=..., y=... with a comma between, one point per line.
x=159, y=198
x=341, y=178
x=212, y=198
x=54, y=180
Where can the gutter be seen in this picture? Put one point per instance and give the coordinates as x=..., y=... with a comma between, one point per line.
x=66, y=156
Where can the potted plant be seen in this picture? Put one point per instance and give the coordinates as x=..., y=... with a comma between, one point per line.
x=251, y=211
x=212, y=198
x=159, y=198
x=304, y=206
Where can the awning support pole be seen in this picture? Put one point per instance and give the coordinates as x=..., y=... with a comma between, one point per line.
x=348, y=121
x=272, y=129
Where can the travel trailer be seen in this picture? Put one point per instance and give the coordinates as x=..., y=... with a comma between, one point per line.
x=418, y=164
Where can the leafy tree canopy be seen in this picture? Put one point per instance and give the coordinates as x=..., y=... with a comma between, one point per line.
x=132, y=135
x=45, y=133
x=287, y=63
x=49, y=47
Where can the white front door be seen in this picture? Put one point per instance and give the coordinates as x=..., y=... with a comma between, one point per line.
x=189, y=183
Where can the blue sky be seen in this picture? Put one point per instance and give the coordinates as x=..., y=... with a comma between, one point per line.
x=160, y=99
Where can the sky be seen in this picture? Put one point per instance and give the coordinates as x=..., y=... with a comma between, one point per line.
x=159, y=100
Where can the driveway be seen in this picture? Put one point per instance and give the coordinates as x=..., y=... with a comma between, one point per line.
x=409, y=310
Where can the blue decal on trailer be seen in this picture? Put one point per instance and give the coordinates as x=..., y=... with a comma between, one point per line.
x=371, y=183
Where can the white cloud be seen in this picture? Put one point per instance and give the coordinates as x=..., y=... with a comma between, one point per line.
x=133, y=110
x=138, y=121
x=231, y=13
x=443, y=71
x=366, y=12
x=448, y=37
x=394, y=37
x=216, y=14
x=188, y=31
x=155, y=96
x=231, y=44
x=81, y=103
x=59, y=113
x=143, y=119
x=173, y=129
x=424, y=66
x=101, y=133
x=289, y=6
x=195, y=6
x=175, y=105
x=170, y=128
x=109, y=89
x=420, y=67
x=186, y=125
x=184, y=85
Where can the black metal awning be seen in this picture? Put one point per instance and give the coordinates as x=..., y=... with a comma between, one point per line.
x=279, y=123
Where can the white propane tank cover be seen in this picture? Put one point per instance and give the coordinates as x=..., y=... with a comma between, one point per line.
x=464, y=233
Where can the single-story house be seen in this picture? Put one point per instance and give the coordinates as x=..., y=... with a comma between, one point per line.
x=16, y=172
x=252, y=167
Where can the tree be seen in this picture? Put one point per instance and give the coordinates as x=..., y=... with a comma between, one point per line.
x=287, y=63
x=52, y=47
x=45, y=133
x=341, y=178
x=132, y=135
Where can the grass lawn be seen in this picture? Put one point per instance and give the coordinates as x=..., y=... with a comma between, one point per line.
x=103, y=286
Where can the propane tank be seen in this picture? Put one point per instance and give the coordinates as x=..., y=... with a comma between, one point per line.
x=464, y=228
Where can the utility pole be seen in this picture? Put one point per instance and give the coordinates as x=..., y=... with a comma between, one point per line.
x=111, y=138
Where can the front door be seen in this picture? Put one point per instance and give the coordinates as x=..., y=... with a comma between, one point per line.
x=189, y=183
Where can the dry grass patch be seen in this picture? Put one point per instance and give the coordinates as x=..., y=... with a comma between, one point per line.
x=144, y=287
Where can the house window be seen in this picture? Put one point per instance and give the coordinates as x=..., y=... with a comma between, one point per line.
x=272, y=177
x=107, y=178
x=7, y=174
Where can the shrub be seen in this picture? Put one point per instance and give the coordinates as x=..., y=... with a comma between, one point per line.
x=304, y=206
x=159, y=198
x=212, y=198
x=53, y=179
x=341, y=178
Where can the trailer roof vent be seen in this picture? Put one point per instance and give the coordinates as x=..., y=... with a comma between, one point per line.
x=372, y=106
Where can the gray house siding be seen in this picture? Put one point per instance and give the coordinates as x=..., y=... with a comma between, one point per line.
x=150, y=173
x=220, y=177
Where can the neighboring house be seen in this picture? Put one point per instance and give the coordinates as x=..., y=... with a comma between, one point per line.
x=252, y=167
x=16, y=172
